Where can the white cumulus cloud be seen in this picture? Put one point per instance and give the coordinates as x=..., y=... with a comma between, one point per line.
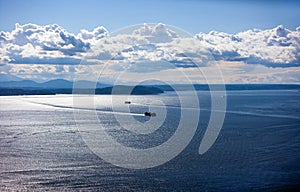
x=31, y=43
x=37, y=50
x=278, y=47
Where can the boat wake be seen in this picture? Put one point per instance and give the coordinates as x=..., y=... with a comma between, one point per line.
x=168, y=106
x=87, y=109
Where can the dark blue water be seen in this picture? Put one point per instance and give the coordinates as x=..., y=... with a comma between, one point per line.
x=258, y=148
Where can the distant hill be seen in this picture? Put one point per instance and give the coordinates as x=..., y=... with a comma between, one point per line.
x=118, y=90
x=61, y=86
x=52, y=84
x=20, y=84
x=136, y=90
x=89, y=84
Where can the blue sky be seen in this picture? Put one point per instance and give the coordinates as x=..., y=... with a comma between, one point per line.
x=191, y=15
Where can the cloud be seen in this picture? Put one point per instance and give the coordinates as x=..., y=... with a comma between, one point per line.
x=40, y=72
x=151, y=44
x=156, y=34
x=31, y=43
x=37, y=51
x=240, y=72
x=94, y=36
x=278, y=47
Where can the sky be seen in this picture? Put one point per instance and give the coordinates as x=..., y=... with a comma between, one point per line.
x=248, y=41
x=194, y=16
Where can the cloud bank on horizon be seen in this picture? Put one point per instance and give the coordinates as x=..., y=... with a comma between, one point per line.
x=253, y=56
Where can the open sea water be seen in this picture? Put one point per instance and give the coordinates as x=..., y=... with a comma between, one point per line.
x=258, y=149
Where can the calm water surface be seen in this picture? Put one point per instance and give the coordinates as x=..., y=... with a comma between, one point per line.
x=258, y=148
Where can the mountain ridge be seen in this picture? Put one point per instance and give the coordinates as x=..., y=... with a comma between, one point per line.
x=51, y=84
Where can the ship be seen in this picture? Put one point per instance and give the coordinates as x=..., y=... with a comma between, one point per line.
x=150, y=114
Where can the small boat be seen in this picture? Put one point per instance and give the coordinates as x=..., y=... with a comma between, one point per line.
x=150, y=114
x=127, y=102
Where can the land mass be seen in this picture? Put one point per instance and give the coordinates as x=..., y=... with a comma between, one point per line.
x=61, y=86
x=116, y=90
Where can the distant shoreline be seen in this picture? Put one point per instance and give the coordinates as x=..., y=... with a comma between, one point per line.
x=116, y=90
x=142, y=90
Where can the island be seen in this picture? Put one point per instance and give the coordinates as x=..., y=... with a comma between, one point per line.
x=118, y=90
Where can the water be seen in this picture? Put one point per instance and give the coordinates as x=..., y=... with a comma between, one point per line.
x=258, y=148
